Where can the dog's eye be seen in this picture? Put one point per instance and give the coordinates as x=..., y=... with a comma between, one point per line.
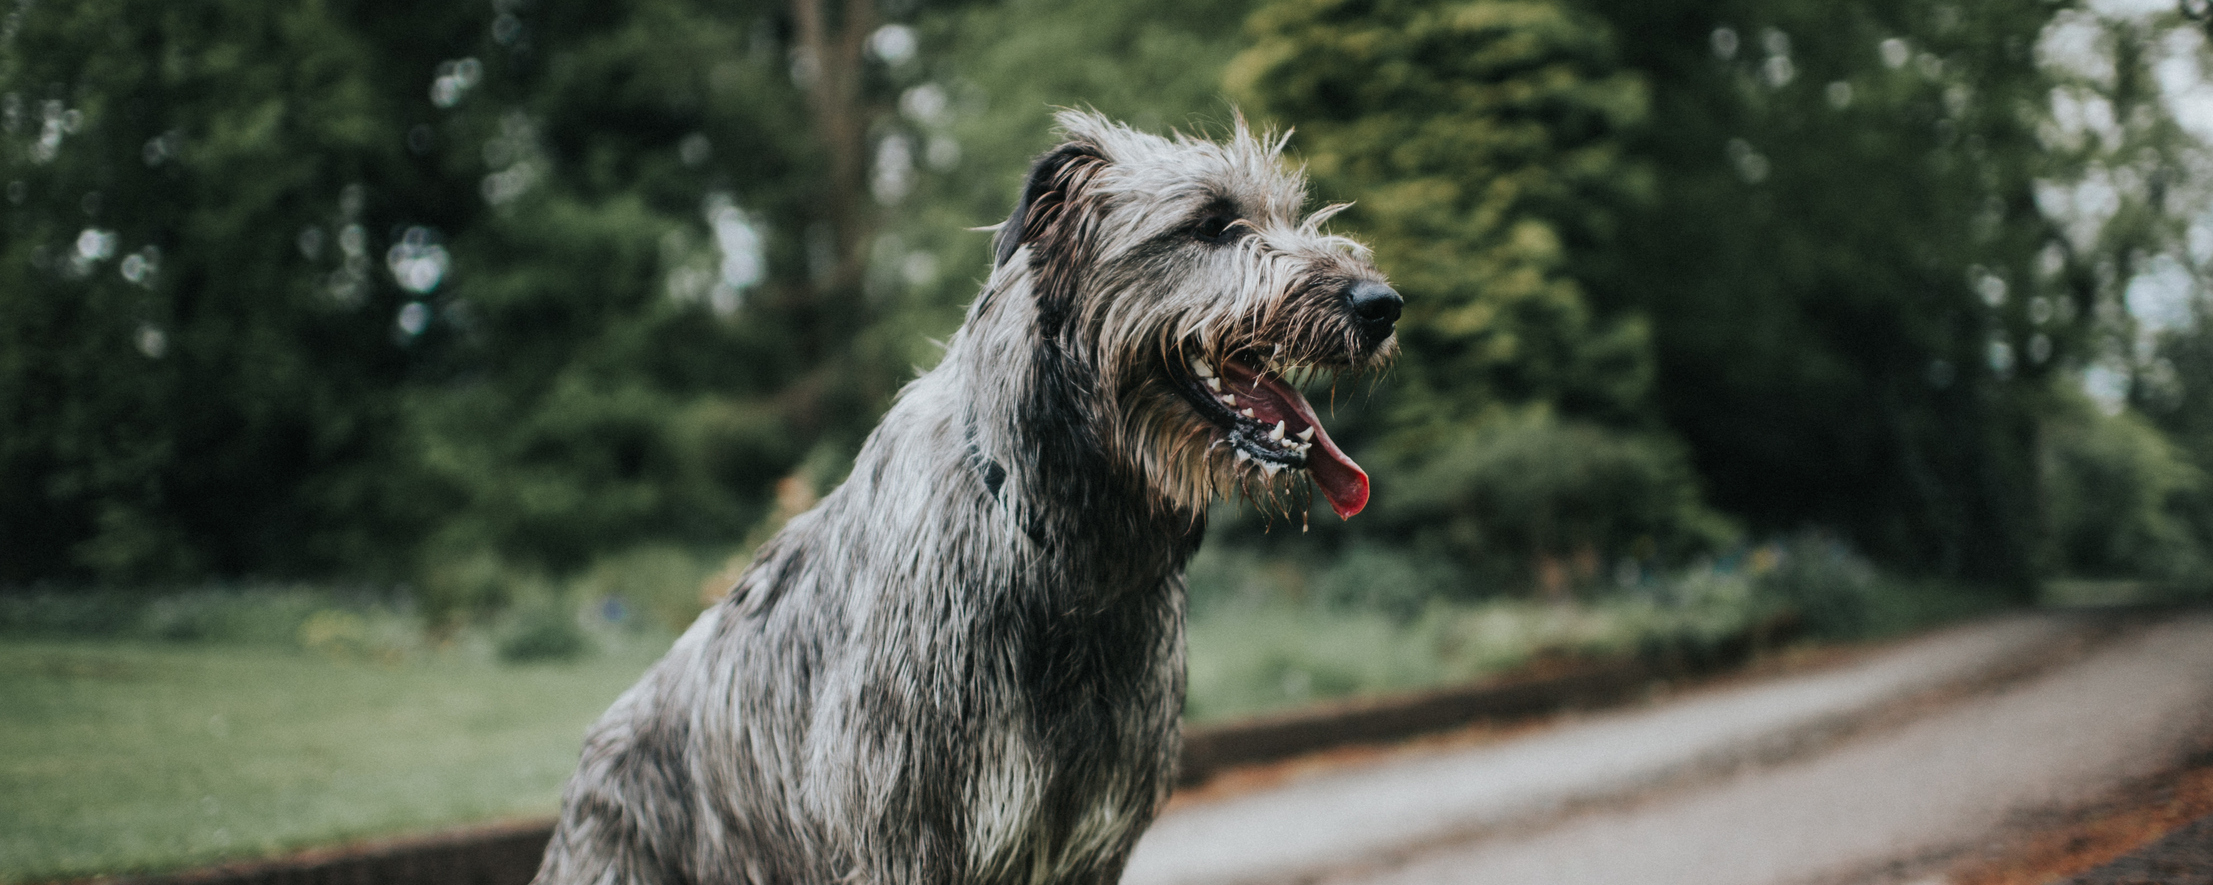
x=1218, y=229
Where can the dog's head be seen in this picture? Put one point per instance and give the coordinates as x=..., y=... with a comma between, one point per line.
x=1190, y=298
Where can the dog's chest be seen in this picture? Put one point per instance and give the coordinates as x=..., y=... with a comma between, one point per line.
x=1049, y=807
x=1064, y=783
x=1027, y=831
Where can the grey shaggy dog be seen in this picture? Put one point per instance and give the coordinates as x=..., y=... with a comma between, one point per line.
x=966, y=665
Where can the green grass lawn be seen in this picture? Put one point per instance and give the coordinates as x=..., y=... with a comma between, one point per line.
x=121, y=755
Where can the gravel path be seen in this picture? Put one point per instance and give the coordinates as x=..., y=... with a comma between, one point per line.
x=1509, y=813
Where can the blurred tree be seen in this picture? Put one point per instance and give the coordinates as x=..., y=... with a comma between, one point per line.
x=342, y=288
x=182, y=392
x=1484, y=142
x=1841, y=264
x=978, y=105
x=2137, y=253
x=1916, y=225
x=1806, y=236
x=2178, y=401
x=299, y=291
x=2122, y=499
x=631, y=286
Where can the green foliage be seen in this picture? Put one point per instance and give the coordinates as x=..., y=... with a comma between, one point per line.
x=487, y=298
x=544, y=631
x=663, y=588
x=337, y=289
x=276, y=616
x=380, y=635
x=1805, y=237
x=1829, y=589
x=1561, y=499
x=1817, y=584
x=1842, y=266
x=2182, y=406
x=1485, y=144
x=1389, y=580
x=177, y=400
x=2121, y=500
x=977, y=107
x=123, y=757
x=1257, y=646
x=2179, y=404
x=1482, y=141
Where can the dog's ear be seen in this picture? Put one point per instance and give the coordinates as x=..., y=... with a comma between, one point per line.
x=1052, y=180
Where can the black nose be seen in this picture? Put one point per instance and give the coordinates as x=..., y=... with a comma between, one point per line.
x=1375, y=307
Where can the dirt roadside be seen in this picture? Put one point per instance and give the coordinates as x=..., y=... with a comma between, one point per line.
x=2096, y=844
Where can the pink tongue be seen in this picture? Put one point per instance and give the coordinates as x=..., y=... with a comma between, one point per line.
x=1343, y=482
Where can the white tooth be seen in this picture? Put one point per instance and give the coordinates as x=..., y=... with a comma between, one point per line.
x=1243, y=456
x=1247, y=413
x=1214, y=384
x=1306, y=435
x=1228, y=400
x=1276, y=434
x=1201, y=369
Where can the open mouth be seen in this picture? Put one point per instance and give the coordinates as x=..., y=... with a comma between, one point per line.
x=1269, y=424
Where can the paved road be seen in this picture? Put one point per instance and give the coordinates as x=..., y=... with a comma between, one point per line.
x=1829, y=776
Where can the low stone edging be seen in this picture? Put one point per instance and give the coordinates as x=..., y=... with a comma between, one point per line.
x=498, y=854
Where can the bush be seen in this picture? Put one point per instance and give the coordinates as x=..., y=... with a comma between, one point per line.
x=68, y=614
x=663, y=585
x=334, y=623
x=1391, y=580
x=230, y=615
x=347, y=634
x=1832, y=591
x=1268, y=653
x=543, y=631
x=1532, y=498
x=2120, y=499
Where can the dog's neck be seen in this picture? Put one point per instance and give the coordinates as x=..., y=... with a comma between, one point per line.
x=1037, y=430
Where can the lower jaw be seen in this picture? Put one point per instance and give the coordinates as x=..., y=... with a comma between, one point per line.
x=1271, y=462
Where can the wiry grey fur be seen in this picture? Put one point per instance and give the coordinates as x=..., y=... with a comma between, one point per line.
x=966, y=664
